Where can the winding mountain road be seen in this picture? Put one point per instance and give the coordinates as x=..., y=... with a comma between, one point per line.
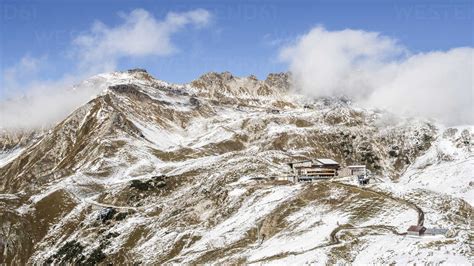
x=421, y=214
x=333, y=236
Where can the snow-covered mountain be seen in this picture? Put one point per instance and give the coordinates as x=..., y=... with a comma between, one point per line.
x=151, y=172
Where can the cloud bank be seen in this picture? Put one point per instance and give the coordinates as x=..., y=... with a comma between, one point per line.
x=139, y=35
x=32, y=101
x=377, y=71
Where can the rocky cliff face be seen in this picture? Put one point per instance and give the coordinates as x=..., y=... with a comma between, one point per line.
x=154, y=172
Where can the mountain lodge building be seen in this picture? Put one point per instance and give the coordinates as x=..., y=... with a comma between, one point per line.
x=310, y=170
x=361, y=172
x=416, y=230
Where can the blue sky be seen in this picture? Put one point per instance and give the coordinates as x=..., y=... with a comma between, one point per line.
x=243, y=37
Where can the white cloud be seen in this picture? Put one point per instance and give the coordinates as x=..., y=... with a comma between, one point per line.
x=27, y=67
x=45, y=103
x=41, y=102
x=139, y=35
x=377, y=71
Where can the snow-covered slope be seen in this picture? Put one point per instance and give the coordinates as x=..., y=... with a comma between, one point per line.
x=448, y=166
x=154, y=172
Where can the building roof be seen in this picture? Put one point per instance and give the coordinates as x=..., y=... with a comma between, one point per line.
x=316, y=162
x=326, y=161
x=416, y=228
x=301, y=161
x=356, y=166
x=440, y=231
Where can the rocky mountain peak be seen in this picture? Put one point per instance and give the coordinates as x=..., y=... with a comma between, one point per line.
x=253, y=77
x=279, y=80
x=225, y=84
x=212, y=79
x=137, y=70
